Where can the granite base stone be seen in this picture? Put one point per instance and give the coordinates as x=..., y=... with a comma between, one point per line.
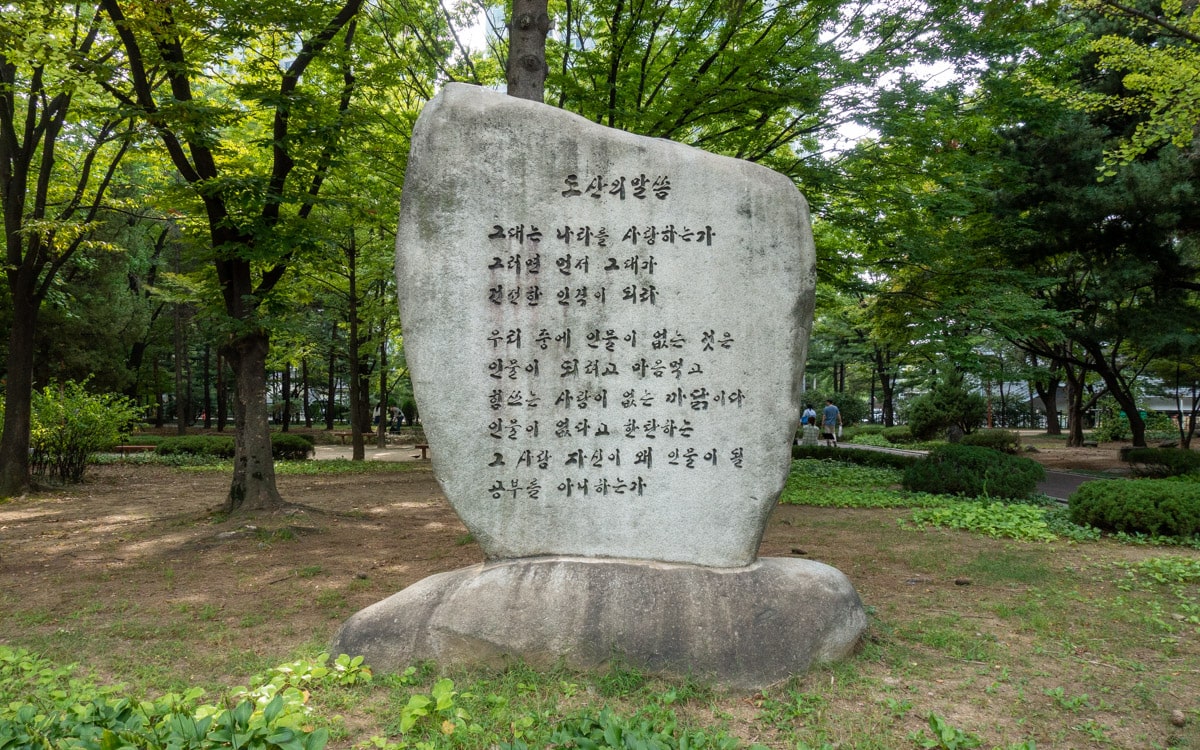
x=745, y=627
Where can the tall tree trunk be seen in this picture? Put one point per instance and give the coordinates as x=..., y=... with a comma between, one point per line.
x=526, y=69
x=286, y=389
x=384, y=414
x=222, y=393
x=14, y=443
x=358, y=425
x=305, y=407
x=207, y=379
x=331, y=383
x=180, y=389
x=253, y=486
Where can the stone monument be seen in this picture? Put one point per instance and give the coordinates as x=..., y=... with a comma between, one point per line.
x=606, y=335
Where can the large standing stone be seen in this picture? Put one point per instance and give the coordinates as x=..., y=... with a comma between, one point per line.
x=604, y=331
x=605, y=334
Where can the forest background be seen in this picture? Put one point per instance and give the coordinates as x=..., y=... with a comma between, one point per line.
x=200, y=198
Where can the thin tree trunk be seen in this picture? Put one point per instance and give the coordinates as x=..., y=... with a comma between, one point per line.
x=1075, y=383
x=180, y=358
x=207, y=378
x=222, y=393
x=286, y=390
x=381, y=433
x=305, y=407
x=331, y=391
x=253, y=486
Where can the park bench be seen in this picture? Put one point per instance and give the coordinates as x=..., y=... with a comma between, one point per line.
x=343, y=436
x=424, y=450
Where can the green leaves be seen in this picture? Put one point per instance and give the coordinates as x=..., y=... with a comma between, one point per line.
x=45, y=705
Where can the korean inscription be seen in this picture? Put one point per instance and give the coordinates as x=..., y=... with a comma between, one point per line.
x=603, y=333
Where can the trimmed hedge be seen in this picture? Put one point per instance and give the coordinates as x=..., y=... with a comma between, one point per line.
x=899, y=434
x=972, y=471
x=1159, y=507
x=1005, y=441
x=286, y=446
x=855, y=456
x=1161, y=462
x=216, y=446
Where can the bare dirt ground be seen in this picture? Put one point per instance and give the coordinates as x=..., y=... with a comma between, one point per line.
x=153, y=539
x=137, y=571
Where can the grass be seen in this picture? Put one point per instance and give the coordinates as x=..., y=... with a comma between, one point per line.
x=974, y=641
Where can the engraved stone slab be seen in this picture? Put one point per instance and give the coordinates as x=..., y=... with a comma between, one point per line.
x=604, y=332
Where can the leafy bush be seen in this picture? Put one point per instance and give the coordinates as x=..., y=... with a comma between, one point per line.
x=855, y=431
x=1005, y=441
x=870, y=438
x=42, y=705
x=898, y=435
x=948, y=404
x=1111, y=430
x=68, y=424
x=1161, y=462
x=286, y=446
x=973, y=472
x=215, y=446
x=1147, y=506
x=849, y=455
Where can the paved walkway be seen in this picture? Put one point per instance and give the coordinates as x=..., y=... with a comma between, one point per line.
x=371, y=453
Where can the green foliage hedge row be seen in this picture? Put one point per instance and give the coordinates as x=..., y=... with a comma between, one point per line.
x=1005, y=441
x=854, y=456
x=217, y=446
x=974, y=472
x=1159, y=507
x=1161, y=462
x=284, y=446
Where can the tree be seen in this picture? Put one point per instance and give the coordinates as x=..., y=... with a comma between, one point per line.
x=60, y=147
x=1114, y=251
x=251, y=120
x=1160, y=66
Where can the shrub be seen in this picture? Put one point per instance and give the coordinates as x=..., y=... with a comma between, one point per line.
x=948, y=404
x=875, y=439
x=286, y=446
x=1161, y=462
x=850, y=455
x=1160, y=507
x=67, y=424
x=1005, y=441
x=972, y=471
x=215, y=446
x=898, y=435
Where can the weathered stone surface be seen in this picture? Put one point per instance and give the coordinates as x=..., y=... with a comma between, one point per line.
x=658, y=325
x=744, y=627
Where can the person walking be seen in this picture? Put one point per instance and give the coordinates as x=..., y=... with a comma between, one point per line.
x=831, y=421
